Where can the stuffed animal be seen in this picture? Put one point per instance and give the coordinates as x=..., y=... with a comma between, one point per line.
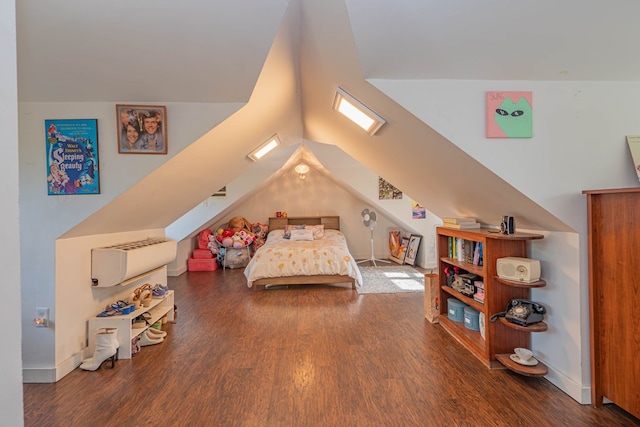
x=260, y=234
x=238, y=223
x=245, y=237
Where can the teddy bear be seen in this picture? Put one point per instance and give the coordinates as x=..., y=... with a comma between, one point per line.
x=238, y=223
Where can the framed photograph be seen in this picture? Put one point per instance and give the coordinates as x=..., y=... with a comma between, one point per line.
x=72, y=156
x=142, y=129
x=412, y=249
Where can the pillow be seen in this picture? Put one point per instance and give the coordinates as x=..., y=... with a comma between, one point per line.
x=275, y=235
x=301, y=235
x=288, y=228
x=318, y=231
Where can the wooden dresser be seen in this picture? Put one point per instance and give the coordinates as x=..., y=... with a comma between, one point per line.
x=614, y=296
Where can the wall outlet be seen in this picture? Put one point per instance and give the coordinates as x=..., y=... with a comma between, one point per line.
x=42, y=317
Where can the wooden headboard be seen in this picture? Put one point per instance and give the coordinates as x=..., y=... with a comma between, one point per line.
x=329, y=222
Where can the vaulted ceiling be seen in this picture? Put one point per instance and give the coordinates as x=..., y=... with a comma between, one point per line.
x=284, y=59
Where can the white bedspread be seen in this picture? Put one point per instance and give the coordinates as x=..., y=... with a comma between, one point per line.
x=281, y=257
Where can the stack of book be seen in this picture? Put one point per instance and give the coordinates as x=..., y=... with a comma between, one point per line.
x=461, y=223
x=464, y=250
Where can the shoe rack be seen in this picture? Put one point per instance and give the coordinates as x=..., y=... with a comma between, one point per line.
x=158, y=307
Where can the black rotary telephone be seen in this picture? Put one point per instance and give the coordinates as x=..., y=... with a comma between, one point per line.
x=521, y=312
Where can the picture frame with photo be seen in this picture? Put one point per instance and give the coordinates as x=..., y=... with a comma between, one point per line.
x=412, y=249
x=141, y=129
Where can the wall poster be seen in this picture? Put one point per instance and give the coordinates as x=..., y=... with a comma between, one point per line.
x=387, y=191
x=72, y=156
x=509, y=114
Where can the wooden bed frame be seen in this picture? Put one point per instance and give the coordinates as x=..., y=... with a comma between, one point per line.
x=278, y=223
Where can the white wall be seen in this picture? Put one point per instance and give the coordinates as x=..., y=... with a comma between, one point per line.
x=77, y=300
x=578, y=144
x=43, y=218
x=10, y=357
x=350, y=188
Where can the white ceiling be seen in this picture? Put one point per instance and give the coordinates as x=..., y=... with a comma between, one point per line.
x=250, y=50
x=213, y=51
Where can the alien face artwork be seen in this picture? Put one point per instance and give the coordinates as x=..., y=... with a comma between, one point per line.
x=509, y=114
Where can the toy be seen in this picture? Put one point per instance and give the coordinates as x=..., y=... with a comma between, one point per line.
x=238, y=223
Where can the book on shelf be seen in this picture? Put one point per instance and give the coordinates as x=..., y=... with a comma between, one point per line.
x=458, y=220
x=462, y=226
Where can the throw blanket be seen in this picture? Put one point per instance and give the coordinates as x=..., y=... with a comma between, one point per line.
x=281, y=257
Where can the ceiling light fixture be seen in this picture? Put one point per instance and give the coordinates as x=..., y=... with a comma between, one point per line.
x=302, y=170
x=357, y=112
x=264, y=148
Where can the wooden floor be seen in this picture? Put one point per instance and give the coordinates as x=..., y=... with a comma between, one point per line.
x=308, y=356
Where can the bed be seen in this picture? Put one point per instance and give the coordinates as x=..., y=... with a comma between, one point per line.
x=324, y=260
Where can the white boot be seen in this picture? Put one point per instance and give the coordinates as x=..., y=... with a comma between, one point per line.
x=148, y=338
x=106, y=348
x=113, y=333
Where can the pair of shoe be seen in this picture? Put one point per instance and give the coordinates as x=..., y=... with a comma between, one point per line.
x=142, y=321
x=119, y=307
x=142, y=295
x=159, y=290
x=152, y=336
x=106, y=349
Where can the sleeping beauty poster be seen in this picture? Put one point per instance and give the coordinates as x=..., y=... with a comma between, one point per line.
x=72, y=156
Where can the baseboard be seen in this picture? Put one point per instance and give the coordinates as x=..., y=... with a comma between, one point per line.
x=38, y=375
x=52, y=375
x=176, y=272
x=579, y=393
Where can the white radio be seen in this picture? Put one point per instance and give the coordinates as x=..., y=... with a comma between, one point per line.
x=518, y=269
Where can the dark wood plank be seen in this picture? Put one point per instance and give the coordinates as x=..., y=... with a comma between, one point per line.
x=303, y=356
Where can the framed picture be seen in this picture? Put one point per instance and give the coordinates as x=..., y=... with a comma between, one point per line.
x=402, y=253
x=412, y=249
x=395, y=240
x=509, y=114
x=142, y=129
x=387, y=191
x=72, y=156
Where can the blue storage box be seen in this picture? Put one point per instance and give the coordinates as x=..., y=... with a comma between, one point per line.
x=471, y=316
x=455, y=309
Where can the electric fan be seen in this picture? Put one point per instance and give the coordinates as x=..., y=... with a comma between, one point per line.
x=369, y=220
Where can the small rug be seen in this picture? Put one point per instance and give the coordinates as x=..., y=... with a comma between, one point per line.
x=391, y=279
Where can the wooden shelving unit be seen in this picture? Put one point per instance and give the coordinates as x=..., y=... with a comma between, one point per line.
x=500, y=338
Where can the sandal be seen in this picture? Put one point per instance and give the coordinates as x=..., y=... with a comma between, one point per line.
x=125, y=307
x=121, y=307
x=108, y=312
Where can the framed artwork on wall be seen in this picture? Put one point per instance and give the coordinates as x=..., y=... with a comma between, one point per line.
x=509, y=114
x=412, y=249
x=72, y=156
x=141, y=129
x=387, y=191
